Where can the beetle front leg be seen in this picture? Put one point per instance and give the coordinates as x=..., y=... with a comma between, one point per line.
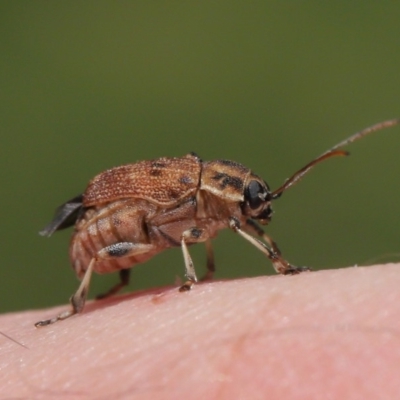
x=118, y=250
x=280, y=265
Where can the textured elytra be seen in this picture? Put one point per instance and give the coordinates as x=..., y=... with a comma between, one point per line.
x=162, y=181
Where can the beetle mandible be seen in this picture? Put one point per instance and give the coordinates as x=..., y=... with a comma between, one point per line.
x=130, y=213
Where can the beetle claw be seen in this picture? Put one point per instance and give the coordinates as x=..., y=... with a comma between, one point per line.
x=186, y=286
x=293, y=270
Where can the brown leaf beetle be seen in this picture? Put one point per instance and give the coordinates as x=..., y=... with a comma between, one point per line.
x=130, y=213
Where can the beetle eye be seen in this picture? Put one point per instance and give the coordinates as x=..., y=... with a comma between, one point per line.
x=255, y=194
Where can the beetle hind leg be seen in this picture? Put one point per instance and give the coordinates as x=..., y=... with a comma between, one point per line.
x=77, y=300
x=117, y=250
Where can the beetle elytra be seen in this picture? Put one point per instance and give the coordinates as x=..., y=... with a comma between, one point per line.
x=132, y=212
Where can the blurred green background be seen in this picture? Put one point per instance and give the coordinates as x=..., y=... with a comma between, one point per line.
x=87, y=85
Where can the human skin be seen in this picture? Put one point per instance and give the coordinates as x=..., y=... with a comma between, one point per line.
x=319, y=335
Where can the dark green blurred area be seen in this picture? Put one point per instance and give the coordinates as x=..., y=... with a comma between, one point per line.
x=89, y=85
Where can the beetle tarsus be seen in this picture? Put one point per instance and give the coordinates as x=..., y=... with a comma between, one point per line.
x=59, y=317
x=293, y=270
x=186, y=286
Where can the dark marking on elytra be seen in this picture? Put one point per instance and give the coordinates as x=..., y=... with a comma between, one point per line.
x=156, y=172
x=158, y=164
x=174, y=193
x=227, y=180
x=186, y=180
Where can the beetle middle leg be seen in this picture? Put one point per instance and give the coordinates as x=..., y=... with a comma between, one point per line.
x=124, y=281
x=117, y=250
x=280, y=265
x=193, y=235
x=210, y=261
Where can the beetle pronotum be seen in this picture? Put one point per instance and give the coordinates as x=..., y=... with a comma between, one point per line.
x=130, y=213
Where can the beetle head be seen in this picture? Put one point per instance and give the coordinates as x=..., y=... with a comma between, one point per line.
x=257, y=200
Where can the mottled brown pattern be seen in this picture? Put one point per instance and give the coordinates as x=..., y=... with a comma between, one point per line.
x=162, y=181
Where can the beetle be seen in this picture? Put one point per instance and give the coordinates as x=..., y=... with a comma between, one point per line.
x=130, y=213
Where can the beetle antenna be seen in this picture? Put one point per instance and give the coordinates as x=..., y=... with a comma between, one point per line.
x=332, y=152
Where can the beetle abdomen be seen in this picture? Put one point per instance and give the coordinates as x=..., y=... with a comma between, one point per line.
x=99, y=227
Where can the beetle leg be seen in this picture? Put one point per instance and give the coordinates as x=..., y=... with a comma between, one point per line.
x=290, y=269
x=122, y=249
x=192, y=235
x=210, y=261
x=77, y=300
x=124, y=281
x=280, y=265
x=257, y=230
